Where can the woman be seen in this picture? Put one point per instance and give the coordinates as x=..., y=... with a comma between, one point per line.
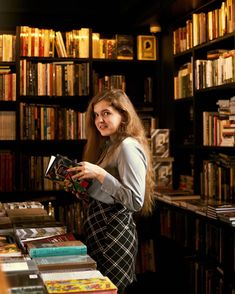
x=118, y=160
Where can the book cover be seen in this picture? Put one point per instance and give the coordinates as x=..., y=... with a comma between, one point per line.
x=160, y=142
x=26, y=211
x=54, y=263
x=93, y=285
x=146, y=47
x=9, y=246
x=49, y=239
x=32, y=215
x=69, y=236
x=10, y=250
x=64, y=248
x=227, y=216
x=22, y=205
x=19, y=265
x=57, y=171
x=180, y=196
x=70, y=275
x=20, y=283
x=31, y=219
x=26, y=232
x=74, y=281
x=124, y=46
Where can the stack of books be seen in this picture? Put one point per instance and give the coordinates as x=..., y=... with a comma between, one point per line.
x=215, y=208
x=60, y=253
x=227, y=216
x=40, y=256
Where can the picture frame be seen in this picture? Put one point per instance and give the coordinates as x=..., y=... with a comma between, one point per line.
x=146, y=47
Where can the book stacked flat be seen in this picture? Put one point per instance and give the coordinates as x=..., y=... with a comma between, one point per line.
x=62, y=248
x=25, y=282
x=227, y=216
x=79, y=282
x=78, y=260
x=214, y=208
x=22, y=276
x=62, y=263
x=15, y=265
x=9, y=247
x=28, y=233
x=62, y=245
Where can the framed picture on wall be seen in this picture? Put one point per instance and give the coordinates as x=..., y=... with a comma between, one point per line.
x=146, y=47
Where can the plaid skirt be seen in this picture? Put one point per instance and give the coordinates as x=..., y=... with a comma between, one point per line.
x=111, y=240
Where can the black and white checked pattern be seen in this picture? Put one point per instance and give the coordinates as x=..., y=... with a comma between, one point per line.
x=112, y=241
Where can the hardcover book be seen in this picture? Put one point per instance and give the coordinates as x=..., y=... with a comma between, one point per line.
x=54, y=238
x=146, y=47
x=19, y=265
x=26, y=232
x=26, y=211
x=21, y=283
x=124, y=45
x=91, y=281
x=10, y=250
x=57, y=171
x=58, y=263
x=70, y=275
x=8, y=246
x=93, y=285
x=50, y=239
x=64, y=248
x=180, y=195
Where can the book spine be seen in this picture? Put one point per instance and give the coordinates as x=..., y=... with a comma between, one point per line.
x=58, y=251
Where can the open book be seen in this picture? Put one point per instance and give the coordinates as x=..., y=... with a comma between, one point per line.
x=57, y=171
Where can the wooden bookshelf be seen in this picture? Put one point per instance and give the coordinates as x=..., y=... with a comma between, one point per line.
x=194, y=92
x=55, y=76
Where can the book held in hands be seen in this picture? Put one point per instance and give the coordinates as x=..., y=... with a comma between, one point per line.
x=57, y=171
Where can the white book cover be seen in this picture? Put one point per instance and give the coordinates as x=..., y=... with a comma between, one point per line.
x=69, y=275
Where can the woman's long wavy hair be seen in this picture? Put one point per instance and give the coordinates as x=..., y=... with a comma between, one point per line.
x=131, y=126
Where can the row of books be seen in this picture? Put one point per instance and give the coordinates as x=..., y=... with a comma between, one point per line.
x=43, y=42
x=213, y=24
x=75, y=44
x=41, y=122
x=44, y=257
x=54, y=78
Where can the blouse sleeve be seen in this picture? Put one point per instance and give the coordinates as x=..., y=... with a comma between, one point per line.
x=129, y=189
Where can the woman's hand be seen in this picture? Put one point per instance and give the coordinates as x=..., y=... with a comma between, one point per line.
x=87, y=170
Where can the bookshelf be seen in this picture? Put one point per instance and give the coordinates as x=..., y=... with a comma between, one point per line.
x=196, y=257
x=53, y=85
x=201, y=80
x=192, y=93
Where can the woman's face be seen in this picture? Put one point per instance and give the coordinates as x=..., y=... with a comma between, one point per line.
x=107, y=118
